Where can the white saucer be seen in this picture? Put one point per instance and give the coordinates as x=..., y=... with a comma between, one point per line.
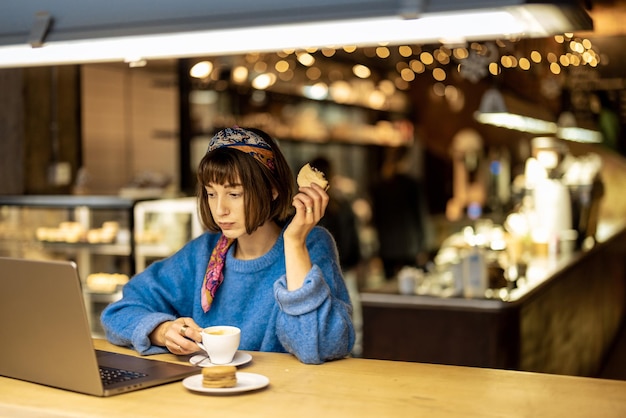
x=202, y=360
x=245, y=383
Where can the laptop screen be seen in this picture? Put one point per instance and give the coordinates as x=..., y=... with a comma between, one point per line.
x=46, y=336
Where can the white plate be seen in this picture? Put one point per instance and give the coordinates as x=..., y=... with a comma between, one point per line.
x=202, y=360
x=245, y=382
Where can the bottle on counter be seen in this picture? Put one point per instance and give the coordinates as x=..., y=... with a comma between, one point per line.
x=475, y=279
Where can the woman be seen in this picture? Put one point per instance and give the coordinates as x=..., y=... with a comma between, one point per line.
x=274, y=275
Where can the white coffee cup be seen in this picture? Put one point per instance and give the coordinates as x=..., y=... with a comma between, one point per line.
x=221, y=343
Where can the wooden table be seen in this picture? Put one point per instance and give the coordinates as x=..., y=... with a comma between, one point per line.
x=345, y=388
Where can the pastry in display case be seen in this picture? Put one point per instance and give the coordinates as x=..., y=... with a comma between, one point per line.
x=106, y=282
x=74, y=232
x=50, y=226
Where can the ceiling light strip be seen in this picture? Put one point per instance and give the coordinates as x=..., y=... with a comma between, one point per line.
x=442, y=27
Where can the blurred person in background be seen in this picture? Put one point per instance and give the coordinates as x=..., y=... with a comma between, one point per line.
x=340, y=219
x=341, y=222
x=398, y=209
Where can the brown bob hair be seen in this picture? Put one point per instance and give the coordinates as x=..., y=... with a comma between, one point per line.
x=231, y=166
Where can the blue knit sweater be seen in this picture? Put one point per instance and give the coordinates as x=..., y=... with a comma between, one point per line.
x=313, y=322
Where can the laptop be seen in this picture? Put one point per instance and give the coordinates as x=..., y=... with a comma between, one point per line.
x=46, y=339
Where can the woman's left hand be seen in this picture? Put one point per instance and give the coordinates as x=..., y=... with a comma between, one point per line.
x=310, y=204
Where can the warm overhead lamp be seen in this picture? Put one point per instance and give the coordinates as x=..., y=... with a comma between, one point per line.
x=568, y=129
x=75, y=31
x=494, y=111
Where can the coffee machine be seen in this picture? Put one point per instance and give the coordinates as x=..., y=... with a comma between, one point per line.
x=565, y=190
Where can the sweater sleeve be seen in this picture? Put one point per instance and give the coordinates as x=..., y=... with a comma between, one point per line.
x=156, y=295
x=315, y=321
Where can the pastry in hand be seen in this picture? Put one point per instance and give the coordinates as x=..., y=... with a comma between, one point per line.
x=309, y=175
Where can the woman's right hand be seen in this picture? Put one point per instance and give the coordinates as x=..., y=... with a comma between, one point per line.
x=178, y=336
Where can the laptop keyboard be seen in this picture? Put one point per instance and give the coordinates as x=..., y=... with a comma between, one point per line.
x=111, y=375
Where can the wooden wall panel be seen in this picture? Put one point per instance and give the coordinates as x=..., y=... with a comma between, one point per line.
x=11, y=132
x=129, y=125
x=39, y=116
x=105, y=132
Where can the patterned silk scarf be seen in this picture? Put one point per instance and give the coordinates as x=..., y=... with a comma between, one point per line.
x=245, y=141
x=213, y=277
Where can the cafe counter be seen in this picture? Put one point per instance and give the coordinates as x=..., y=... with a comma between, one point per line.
x=349, y=387
x=562, y=321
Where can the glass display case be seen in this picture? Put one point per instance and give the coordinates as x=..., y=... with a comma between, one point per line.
x=162, y=227
x=110, y=238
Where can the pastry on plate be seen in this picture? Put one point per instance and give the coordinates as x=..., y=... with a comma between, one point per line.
x=219, y=377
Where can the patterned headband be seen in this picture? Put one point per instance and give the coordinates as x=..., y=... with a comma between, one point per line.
x=244, y=141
